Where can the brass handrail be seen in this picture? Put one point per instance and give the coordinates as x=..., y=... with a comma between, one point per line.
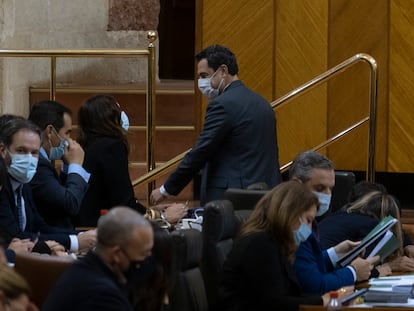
x=329, y=74
x=150, y=53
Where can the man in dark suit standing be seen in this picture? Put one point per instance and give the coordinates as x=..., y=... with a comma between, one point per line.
x=57, y=196
x=99, y=281
x=19, y=147
x=238, y=144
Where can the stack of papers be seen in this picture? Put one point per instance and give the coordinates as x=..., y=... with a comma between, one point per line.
x=390, y=291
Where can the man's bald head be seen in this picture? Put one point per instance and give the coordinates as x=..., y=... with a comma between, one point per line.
x=117, y=226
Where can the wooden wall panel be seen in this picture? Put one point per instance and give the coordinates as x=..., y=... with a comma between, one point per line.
x=357, y=26
x=401, y=113
x=301, y=54
x=247, y=29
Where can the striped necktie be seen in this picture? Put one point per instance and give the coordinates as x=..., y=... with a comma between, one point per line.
x=19, y=206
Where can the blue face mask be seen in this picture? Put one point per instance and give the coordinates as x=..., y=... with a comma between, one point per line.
x=324, y=202
x=124, y=121
x=302, y=234
x=22, y=167
x=56, y=153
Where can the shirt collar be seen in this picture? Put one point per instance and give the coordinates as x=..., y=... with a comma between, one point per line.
x=44, y=153
x=15, y=184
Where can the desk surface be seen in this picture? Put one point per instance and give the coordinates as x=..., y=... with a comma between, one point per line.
x=322, y=308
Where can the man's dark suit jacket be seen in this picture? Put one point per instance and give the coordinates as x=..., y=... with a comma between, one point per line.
x=237, y=146
x=58, y=198
x=36, y=227
x=87, y=285
x=106, y=159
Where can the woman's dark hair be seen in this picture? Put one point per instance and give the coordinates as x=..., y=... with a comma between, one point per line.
x=100, y=116
x=151, y=295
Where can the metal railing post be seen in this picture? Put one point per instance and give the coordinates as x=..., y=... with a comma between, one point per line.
x=150, y=134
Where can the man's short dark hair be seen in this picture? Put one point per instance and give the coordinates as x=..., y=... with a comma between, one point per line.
x=8, y=130
x=48, y=112
x=218, y=55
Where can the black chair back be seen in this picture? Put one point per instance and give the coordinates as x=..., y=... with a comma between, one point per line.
x=220, y=226
x=188, y=293
x=243, y=199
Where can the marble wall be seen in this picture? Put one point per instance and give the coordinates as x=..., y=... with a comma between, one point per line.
x=75, y=24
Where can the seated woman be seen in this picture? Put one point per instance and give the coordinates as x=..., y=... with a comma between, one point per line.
x=257, y=274
x=369, y=203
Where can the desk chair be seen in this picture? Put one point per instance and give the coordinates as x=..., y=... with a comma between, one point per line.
x=220, y=226
x=243, y=199
x=41, y=272
x=344, y=182
x=188, y=293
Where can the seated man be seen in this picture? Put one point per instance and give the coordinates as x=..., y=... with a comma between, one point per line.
x=99, y=280
x=316, y=269
x=19, y=147
x=57, y=197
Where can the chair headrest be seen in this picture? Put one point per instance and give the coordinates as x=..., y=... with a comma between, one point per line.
x=219, y=221
x=244, y=198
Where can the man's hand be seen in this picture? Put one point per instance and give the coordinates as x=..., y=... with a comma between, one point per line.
x=363, y=267
x=402, y=263
x=74, y=153
x=175, y=211
x=409, y=250
x=87, y=239
x=344, y=247
x=156, y=196
x=56, y=249
x=384, y=269
x=21, y=246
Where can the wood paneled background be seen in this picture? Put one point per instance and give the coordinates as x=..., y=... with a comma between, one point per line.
x=282, y=44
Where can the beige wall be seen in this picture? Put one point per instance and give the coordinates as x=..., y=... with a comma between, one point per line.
x=61, y=24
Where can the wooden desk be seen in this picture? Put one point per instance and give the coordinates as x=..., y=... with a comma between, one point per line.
x=322, y=308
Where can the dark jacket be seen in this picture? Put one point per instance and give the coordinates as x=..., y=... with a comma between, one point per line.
x=58, y=198
x=36, y=227
x=257, y=276
x=341, y=226
x=87, y=285
x=106, y=159
x=236, y=148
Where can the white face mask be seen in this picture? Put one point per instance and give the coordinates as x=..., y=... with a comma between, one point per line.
x=204, y=85
x=324, y=202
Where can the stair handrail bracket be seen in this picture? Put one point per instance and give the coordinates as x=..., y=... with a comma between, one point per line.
x=372, y=118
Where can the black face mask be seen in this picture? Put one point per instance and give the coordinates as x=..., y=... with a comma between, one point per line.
x=134, y=265
x=141, y=274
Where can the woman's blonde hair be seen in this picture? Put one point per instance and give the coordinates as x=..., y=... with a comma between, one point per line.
x=378, y=205
x=12, y=284
x=278, y=211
